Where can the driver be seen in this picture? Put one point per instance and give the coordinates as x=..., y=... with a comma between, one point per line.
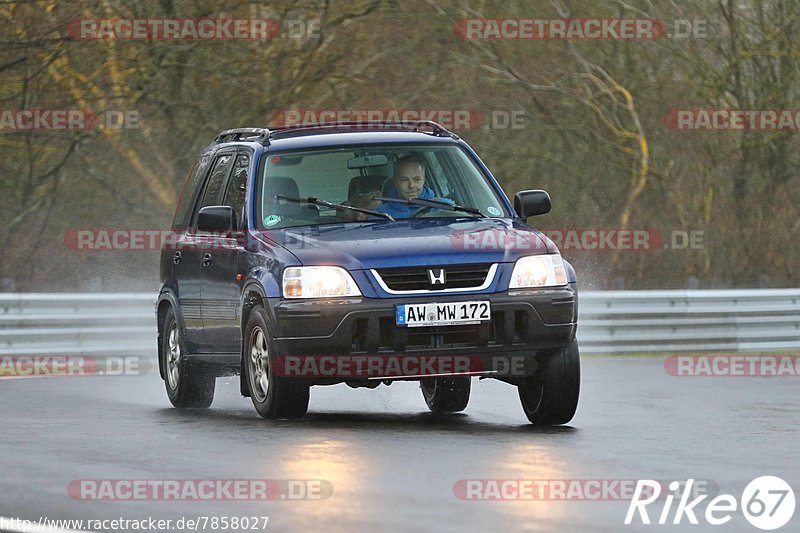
x=408, y=182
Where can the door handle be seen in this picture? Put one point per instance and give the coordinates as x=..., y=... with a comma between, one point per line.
x=177, y=257
x=206, y=259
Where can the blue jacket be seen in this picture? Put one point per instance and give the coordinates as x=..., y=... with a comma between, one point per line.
x=398, y=210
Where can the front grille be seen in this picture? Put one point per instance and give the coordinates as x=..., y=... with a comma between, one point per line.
x=416, y=278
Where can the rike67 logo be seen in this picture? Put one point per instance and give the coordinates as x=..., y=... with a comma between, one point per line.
x=767, y=503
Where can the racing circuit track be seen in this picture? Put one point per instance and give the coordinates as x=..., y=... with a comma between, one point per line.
x=390, y=463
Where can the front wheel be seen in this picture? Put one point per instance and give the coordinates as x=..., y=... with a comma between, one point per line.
x=187, y=386
x=446, y=395
x=273, y=396
x=552, y=399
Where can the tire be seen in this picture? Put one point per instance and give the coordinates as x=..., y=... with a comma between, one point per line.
x=553, y=398
x=187, y=386
x=446, y=395
x=272, y=396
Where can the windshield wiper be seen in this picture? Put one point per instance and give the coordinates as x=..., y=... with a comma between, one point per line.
x=338, y=207
x=434, y=203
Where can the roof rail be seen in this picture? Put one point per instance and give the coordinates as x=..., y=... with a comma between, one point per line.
x=243, y=134
x=422, y=126
x=263, y=135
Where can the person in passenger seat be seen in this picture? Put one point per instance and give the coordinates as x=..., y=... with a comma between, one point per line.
x=365, y=200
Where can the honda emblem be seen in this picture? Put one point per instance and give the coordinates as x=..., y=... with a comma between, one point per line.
x=436, y=276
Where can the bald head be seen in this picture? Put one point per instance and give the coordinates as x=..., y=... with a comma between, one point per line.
x=409, y=177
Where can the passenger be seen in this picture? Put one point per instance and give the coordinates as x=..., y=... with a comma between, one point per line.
x=365, y=200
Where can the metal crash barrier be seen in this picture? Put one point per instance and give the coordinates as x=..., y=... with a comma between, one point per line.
x=610, y=322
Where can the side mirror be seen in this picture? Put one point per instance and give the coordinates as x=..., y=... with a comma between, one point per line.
x=216, y=219
x=532, y=203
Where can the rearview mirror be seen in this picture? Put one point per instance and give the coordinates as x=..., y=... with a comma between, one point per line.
x=531, y=203
x=377, y=160
x=216, y=219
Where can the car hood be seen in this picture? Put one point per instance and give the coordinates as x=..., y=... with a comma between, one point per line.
x=382, y=244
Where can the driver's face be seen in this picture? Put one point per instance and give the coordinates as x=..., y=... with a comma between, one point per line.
x=409, y=179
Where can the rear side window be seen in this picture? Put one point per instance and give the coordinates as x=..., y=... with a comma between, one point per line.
x=190, y=186
x=214, y=184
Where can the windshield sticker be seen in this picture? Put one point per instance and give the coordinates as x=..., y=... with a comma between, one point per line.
x=494, y=211
x=272, y=220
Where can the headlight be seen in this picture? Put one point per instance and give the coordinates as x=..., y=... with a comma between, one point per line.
x=318, y=282
x=538, y=271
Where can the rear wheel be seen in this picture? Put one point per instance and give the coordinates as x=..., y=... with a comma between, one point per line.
x=187, y=386
x=446, y=395
x=553, y=398
x=273, y=396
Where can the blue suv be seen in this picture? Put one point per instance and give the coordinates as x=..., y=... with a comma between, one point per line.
x=362, y=253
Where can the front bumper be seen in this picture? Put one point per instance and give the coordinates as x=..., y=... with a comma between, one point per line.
x=524, y=322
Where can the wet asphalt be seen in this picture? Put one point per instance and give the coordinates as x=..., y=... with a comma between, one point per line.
x=380, y=461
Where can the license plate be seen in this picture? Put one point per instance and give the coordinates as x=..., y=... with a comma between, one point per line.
x=443, y=314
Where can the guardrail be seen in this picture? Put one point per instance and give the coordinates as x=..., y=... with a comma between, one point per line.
x=77, y=323
x=751, y=320
x=612, y=322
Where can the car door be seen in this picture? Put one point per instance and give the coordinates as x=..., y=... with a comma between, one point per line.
x=219, y=286
x=183, y=257
x=192, y=246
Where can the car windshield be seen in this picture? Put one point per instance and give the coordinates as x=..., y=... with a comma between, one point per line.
x=378, y=178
